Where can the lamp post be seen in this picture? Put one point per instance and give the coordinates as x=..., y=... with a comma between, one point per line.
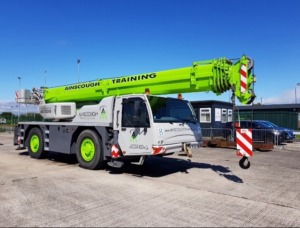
x=11, y=119
x=45, y=78
x=18, y=97
x=298, y=84
x=78, y=61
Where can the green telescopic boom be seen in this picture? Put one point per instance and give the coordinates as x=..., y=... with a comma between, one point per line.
x=217, y=75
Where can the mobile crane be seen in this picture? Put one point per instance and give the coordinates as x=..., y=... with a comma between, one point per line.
x=125, y=118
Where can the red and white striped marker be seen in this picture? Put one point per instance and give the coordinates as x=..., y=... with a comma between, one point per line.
x=115, y=152
x=158, y=150
x=244, y=142
x=243, y=73
x=17, y=96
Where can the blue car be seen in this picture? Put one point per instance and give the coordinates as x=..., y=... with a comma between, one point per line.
x=289, y=133
x=261, y=132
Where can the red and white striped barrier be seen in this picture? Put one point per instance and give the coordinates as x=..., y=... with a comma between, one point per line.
x=244, y=142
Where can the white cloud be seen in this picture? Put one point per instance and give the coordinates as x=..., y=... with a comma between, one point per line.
x=285, y=97
x=7, y=106
x=11, y=106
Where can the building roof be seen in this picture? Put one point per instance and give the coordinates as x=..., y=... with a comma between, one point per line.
x=294, y=107
x=209, y=102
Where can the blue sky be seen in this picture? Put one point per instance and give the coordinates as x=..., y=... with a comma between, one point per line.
x=125, y=37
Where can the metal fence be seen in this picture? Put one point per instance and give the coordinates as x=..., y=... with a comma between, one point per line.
x=258, y=135
x=5, y=128
x=224, y=134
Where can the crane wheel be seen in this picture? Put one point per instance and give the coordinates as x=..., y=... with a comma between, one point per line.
x=36, y=144
x=89, y=150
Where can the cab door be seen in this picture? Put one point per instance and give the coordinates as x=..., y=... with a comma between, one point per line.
x=133, y=126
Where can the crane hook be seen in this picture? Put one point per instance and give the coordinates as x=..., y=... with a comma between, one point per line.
x=242, y=165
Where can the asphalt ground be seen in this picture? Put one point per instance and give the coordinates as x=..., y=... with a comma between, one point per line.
x=207, y=190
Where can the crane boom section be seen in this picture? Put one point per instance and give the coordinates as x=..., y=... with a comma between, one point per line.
x=218, y=76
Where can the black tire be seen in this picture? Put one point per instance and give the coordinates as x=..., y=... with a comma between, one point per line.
x=36, y=144
x=89, y=150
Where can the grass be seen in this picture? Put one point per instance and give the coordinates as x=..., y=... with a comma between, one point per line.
x=6, y=127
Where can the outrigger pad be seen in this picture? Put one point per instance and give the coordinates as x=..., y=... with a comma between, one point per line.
x=115, y=164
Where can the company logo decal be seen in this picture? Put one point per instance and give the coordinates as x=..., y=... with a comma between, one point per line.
x=103, y=113
x=82, y=86
x=134, y=78
x=88, y=115
x=133, y=138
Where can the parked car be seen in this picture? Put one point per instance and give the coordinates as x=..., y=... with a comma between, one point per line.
x=261, y=132
x=288, y=133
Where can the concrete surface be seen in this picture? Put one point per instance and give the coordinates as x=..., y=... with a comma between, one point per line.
x=208, y=190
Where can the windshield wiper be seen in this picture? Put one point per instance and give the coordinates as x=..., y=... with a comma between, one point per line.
x=189, y=121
